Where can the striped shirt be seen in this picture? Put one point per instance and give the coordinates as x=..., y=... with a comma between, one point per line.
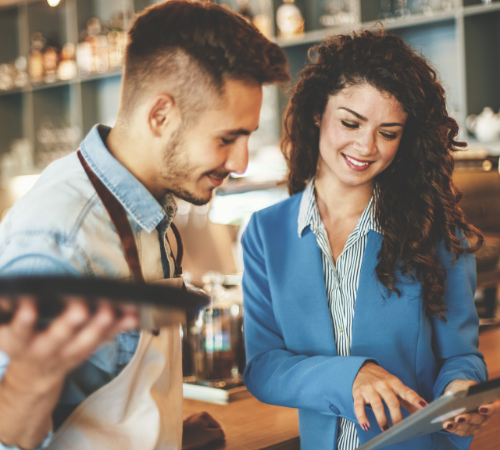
x=341, y=280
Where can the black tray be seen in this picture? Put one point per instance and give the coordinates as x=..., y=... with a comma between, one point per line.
x=52, y=292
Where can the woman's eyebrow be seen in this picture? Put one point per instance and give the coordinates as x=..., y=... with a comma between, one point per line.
x=364, y=119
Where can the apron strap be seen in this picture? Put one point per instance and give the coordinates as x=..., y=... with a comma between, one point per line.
x=180, y=249
x=120, y=220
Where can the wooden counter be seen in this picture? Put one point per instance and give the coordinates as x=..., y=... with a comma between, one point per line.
x=252, y=425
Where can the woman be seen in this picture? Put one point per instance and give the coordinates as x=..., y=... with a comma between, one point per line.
x=359, y=288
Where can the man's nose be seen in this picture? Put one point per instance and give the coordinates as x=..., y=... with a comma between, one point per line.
x=237, y=160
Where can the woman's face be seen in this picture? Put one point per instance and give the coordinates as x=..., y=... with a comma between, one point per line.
x=360, y=132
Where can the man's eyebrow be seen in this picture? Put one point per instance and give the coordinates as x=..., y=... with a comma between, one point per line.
x=364, y=119
x=239, y=132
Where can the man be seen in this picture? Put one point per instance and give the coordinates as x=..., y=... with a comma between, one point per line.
x=191, y=97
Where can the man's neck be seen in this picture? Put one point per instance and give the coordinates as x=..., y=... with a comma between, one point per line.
x=127, y=148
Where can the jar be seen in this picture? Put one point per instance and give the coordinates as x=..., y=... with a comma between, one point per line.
x=217, y=335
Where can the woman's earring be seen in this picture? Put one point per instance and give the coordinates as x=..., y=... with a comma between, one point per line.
x=316, y=123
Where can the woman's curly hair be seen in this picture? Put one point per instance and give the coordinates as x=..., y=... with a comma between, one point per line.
x=417, y=201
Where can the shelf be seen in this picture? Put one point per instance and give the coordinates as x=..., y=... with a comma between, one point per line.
x=11, y=92
x=311, y=37
x=480, y=9
x=100, y=76
x=456, y=42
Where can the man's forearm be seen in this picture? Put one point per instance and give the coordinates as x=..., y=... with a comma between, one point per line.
x=26, y=410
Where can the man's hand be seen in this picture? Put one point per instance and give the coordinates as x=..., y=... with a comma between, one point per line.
x=199, y=430
x=40, y=361
x=374, y=386
x=472, y=423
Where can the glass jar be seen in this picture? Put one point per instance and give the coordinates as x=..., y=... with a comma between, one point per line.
x=217, y=335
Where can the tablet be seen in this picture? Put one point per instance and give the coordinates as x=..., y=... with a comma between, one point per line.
x=430, y=419
x=156, y=301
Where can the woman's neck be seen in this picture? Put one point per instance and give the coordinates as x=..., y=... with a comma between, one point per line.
x=337, y=201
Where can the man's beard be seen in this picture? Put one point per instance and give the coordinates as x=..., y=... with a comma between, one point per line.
x=177, y=170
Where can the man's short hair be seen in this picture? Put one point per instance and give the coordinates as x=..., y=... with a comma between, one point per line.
x=189, y=49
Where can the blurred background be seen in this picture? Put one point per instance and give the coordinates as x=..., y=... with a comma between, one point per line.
x=60, y=73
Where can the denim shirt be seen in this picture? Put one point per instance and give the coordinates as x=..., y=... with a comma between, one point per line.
x=60, y=227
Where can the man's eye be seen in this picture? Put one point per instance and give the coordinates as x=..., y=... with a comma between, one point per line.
x=227, y=141
x=349, y=124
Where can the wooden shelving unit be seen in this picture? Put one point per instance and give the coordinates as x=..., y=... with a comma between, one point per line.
x=463, y=45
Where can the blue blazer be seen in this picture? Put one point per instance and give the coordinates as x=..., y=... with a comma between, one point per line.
x=291, y=355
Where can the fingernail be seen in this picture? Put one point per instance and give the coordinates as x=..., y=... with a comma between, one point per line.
x=449, y=426
x=422, y=404
x=461, y=420
x=483, y=410
x=385, y=427
x=365, y=426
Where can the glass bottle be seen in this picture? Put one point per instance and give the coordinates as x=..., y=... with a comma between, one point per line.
x=217, y=337
x=67, y=68
x=289, y=20
x=36, y=63
x=50, y=62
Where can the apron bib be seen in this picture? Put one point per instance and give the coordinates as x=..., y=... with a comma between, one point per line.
x=141, y=409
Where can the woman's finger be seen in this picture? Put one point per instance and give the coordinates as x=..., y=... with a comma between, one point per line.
x=392, y=402
x=359, y=410
x=378, y=409
x=409, y=396
x=463, y=418
x=490, y=409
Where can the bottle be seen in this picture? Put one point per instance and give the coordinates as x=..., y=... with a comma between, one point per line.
x=244, y=10
x=35, y=63
x=263, y=17
x=289, y=20
x=21, y=75
x=50, y=62
x=67, y=68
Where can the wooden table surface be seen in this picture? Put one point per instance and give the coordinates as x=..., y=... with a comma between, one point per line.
x=252, y=425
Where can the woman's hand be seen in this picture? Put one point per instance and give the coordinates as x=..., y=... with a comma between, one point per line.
x=472, y=423
x=374, y=386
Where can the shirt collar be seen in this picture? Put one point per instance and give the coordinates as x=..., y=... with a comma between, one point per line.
x=309, y=214
x=130, y=192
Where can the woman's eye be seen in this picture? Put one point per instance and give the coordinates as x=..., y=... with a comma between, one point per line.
x=389, y=136
x=349, y=124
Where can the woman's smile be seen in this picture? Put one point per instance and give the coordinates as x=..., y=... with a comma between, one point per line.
x=356, y=164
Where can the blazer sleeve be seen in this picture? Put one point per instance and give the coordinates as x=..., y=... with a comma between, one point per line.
x=456, y=341
x=275, y=374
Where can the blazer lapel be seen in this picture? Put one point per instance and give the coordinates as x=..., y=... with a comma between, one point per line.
x=306, y=286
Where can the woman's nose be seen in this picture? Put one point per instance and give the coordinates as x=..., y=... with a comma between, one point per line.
x=365, y=144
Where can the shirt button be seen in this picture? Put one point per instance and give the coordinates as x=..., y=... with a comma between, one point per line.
x=341, y=329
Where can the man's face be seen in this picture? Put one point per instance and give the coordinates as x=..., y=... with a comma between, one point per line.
x=199, y=157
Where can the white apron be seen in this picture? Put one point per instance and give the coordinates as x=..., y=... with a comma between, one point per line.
x=141, y=409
